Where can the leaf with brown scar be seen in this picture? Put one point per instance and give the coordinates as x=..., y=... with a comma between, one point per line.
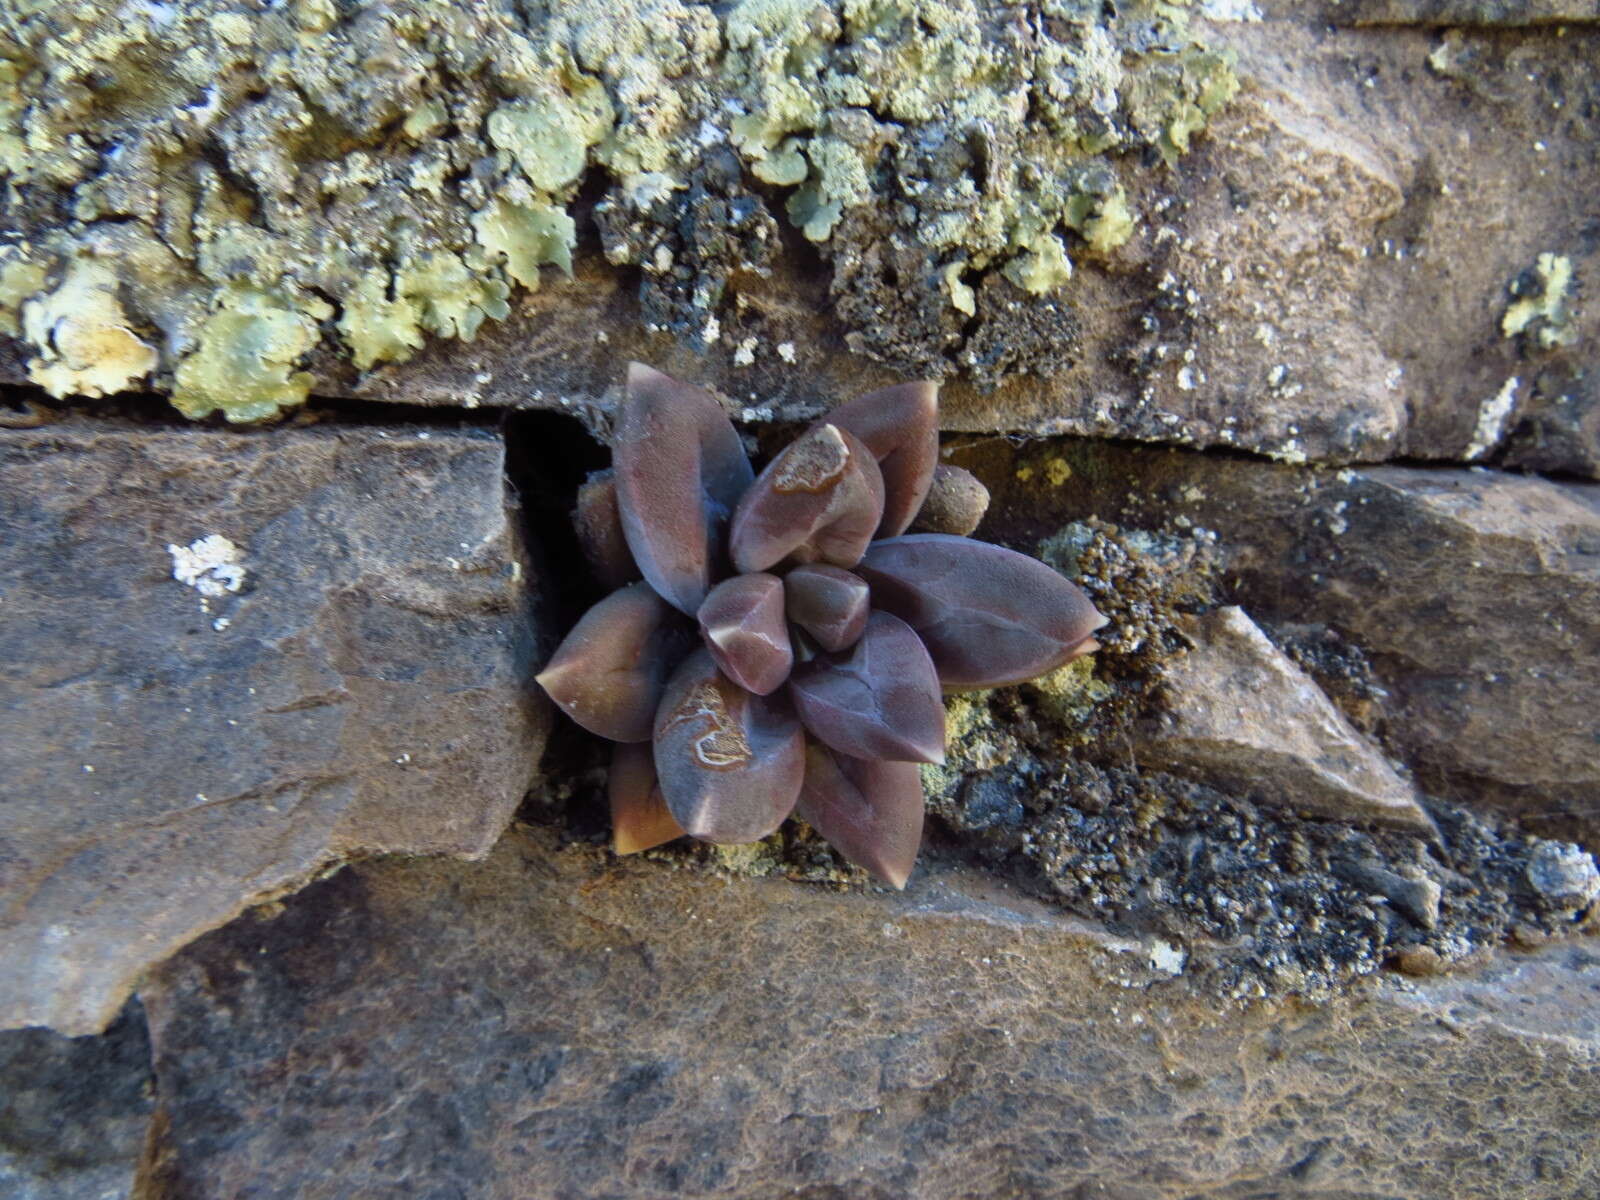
x=729, y=762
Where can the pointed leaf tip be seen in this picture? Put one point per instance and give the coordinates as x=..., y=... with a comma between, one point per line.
x=881, y=699
x=827, y=602
x=742, y=625
x=680, y=469
x=729, y=762
x=870, y=811
x=900, y=425
x=609, y=673
x=639, y=816
x=988, y=616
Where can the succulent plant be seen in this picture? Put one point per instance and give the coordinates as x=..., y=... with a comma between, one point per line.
x=789, y=646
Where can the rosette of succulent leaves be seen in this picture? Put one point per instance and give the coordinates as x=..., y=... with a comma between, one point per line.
x=789, y=646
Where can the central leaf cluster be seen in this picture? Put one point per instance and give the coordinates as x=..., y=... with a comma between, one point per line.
x=826, y=634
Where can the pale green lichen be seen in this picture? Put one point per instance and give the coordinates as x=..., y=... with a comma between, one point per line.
x=1002, y=141
x=1543, y=304
x=248, y=349
x=408, y=163
x=526, y=237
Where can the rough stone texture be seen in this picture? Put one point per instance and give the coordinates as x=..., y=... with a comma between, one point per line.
x=1325, y=275
x=1474, y=594
x=1241, y=714
x=168, y=757
x=74, y=1112
x=553, y=1023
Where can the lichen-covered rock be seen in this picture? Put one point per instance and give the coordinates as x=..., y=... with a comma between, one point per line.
x=602, y=1029
x=227, y=662
x=1240, y=713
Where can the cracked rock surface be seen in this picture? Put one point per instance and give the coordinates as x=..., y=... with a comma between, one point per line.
x=623, y=1030
x=227, y=662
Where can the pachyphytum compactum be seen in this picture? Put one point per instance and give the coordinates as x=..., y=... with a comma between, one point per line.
x=789, y=646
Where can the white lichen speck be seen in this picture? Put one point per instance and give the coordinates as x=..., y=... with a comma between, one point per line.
x=212, y=565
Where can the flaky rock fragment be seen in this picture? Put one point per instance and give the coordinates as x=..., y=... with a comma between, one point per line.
x=1242, y=714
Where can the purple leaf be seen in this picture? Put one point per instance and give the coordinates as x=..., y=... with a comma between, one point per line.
x=639, y=816
x=827, y=602
x=598, y=525
x=729, y=763
x=818, y=500
x=680, y=469
x=609, y=672
x=869, y=810
x=900, y=425
x=989, y=616
x=879, y=700
x=742, y=625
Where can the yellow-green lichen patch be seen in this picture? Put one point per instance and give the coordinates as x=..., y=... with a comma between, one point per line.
x=1542, y=306
x=244, y=366
x=549, y=136
x=376, y=327
x=452, y=299
x=81, y=335
x=526, y=237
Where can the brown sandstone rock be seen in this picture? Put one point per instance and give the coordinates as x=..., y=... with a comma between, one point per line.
x=555, y=1024
x=227, y=661
x=1239, y=713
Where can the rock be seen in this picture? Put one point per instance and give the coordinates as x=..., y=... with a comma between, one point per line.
x=74, y=1111
x=1563, y=874
x=621, y=1029
x=1474, y=595
x=1409, y=890
x=1311, y=280
x=1242, y=715
x=956, y=503
x=230, y=661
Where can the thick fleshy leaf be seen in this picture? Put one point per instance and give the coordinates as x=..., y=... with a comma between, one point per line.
x=639, y=816
x=680, y=469
x=742, y=625
x=900, y=425
x=870, y=810
x=729, y=762
x=827, y=602
x=819, y=500
x=880, y=699
x=989, y=616
x=598, y=524
x=609, y=673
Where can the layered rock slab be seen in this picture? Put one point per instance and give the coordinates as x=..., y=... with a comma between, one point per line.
x=227, y=661
x=1473, y=594
x=551, y=1023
